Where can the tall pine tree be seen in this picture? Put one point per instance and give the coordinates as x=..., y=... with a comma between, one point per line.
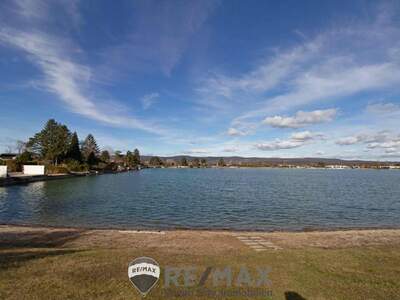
x=74, y=150
x=136, y=155
x=184, y=162
x=52, y=143
x=105, y=156
x=129, y=159
x=90, y=146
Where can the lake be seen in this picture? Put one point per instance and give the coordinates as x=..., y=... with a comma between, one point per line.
x=239, y=199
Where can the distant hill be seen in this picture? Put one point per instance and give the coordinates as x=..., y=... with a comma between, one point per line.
x=270, y=160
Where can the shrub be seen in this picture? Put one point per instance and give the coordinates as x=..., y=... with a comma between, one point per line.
x=2, y=162
x=50, y=169
x=106, y=167
x=13, y=166
x=112, y=167
x=101, y=166
x=76, y=166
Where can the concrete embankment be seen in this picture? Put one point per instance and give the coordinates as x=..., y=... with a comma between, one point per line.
x=13, y=180
x=25, y=179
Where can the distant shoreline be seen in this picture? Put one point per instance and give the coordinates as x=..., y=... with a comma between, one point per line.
x=24, y=180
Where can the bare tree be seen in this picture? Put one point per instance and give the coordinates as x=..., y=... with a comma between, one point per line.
x=20, y=146
x=9, y=149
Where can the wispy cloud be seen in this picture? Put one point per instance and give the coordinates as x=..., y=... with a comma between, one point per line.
x=339, y=62
x=301, y=119
x=236, y=132
x=149, y=99
x=289, y=85
x=380, y=137
x=196, y=151
x=230, y=149
x=267, y=74
x=350, y=140
x=159, y=35
x=67, y=79
x=42, y=12
x=32, y=9
x=332, y=82
x=383, y=108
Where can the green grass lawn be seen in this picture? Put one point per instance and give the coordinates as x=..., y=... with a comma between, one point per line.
x=101, y=273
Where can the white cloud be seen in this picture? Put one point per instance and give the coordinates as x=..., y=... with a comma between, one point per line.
x=305, y=135
x=278, y=145
x=230, y=149
x=196, y=151
x=331, y=81
x=266, y=75
x=378, y=137
x=334, y=65
x=383, y=140
x=301, y=119
x=236, y=132
x=296, y=140
x=350, y=140
x=149, y=99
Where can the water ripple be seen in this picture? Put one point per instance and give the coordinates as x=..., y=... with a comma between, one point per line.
x=244, y=199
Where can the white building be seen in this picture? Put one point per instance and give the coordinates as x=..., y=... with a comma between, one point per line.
x=33, y=170
x=337, y=167
x=3, y=171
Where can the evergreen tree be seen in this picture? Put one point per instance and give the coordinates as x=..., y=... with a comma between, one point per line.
x=221, y=163
x=184, y=162
x=92, y=159
x=105, y=156
x=90, y=146
x=203, y=162
x=155, y=161
x=74, y=150
x=129, y=159
x=136, y=155
x=118, y=157
x=196, y=163
x=52, y=142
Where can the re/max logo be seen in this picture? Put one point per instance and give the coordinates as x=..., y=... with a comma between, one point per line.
x=227, y=276
x=144, y=269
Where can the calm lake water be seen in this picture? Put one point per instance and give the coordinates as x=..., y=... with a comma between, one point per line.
x=242, y=199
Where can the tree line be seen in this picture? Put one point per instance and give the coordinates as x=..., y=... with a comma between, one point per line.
x=61, y=151
x=156, y=161
x=57, y=146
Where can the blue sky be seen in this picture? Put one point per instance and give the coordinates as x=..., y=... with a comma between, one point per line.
x=248, y=78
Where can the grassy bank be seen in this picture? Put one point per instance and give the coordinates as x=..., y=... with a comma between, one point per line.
x=41, y=263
